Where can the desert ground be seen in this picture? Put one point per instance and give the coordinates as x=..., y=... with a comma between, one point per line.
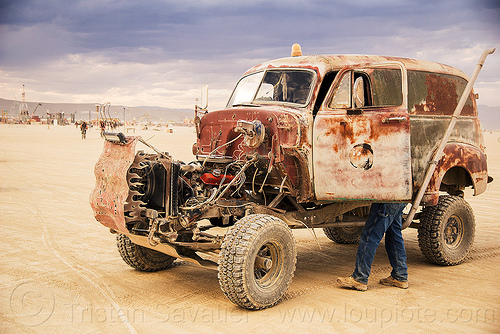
x=61, y=271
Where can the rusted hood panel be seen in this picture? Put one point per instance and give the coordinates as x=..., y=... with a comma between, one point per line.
x=287, y=142
x=111, y=189
x=218, y=128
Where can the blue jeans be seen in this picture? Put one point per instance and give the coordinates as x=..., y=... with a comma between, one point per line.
x=383, y=218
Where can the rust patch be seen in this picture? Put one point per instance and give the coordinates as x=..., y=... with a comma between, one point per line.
x=442, y=97
x=369, y=127
x=465, y=156
x=340, y=129
x=217, y=128
x=297, y=168
x=382, y=129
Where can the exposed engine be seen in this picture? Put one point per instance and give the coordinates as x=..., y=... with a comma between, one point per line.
x=165, y=198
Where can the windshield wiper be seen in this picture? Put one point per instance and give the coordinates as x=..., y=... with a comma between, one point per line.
x=245, y=105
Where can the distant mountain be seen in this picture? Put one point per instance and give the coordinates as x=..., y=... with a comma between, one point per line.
x=490, y=117
x=82, y=110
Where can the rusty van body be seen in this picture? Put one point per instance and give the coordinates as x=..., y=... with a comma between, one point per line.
x=304, y=142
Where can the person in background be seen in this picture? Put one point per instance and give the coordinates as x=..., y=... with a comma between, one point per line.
x=103, y=128
x=83, y=129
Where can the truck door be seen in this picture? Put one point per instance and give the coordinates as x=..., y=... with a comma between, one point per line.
x=361, y=137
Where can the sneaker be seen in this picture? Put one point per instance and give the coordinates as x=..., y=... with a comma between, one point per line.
x=391, y=281
x=351, y=283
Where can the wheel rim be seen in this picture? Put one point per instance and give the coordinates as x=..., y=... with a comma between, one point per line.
x=268, y=264
x=454, y=231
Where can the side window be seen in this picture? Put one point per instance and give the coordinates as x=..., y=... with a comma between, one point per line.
x=342, y=97
x=436, y=94
x=371, y=87
x=386, y=87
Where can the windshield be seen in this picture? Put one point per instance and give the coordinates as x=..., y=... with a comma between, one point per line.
x=273, y=87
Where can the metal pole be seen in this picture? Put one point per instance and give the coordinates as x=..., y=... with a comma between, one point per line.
x=97, y=110
x=437, y=155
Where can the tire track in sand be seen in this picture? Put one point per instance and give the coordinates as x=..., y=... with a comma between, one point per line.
x=51, y=244
x=483, y=253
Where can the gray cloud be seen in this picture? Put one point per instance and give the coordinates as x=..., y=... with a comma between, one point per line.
x=130, y=46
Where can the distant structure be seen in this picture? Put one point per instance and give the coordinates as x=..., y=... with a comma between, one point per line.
x=24, y=114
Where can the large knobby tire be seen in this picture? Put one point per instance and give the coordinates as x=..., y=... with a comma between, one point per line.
x=257, y=261
x=446, y=231
x=344, y=234
x=142, y=258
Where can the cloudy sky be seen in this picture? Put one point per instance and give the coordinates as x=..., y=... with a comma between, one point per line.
x=161, y=52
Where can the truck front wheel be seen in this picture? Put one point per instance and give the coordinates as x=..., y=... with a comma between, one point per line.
x=142, y=258
x=257, y=261
x=446, y=231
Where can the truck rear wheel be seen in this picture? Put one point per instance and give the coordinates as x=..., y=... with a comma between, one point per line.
x=257, y=261
x=446, y=231
x=142, y=258
x=344, y=234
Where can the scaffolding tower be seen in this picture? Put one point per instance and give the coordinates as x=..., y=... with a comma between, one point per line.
x=24, y=114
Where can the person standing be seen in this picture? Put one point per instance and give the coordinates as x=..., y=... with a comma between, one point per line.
x=384, y=218
x=83, y=129
x=103, y=128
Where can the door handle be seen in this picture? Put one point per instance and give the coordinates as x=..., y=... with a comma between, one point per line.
x=399, y=119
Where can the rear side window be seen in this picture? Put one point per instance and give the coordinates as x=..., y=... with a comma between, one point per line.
x=436, y=94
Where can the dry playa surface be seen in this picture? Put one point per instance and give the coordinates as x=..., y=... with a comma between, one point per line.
x=61, y=271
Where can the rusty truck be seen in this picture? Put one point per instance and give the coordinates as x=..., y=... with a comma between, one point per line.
x=304, y=142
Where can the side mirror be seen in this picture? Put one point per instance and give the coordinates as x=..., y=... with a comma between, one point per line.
x=204, y=100
x=358, y=95
x=204, y=97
